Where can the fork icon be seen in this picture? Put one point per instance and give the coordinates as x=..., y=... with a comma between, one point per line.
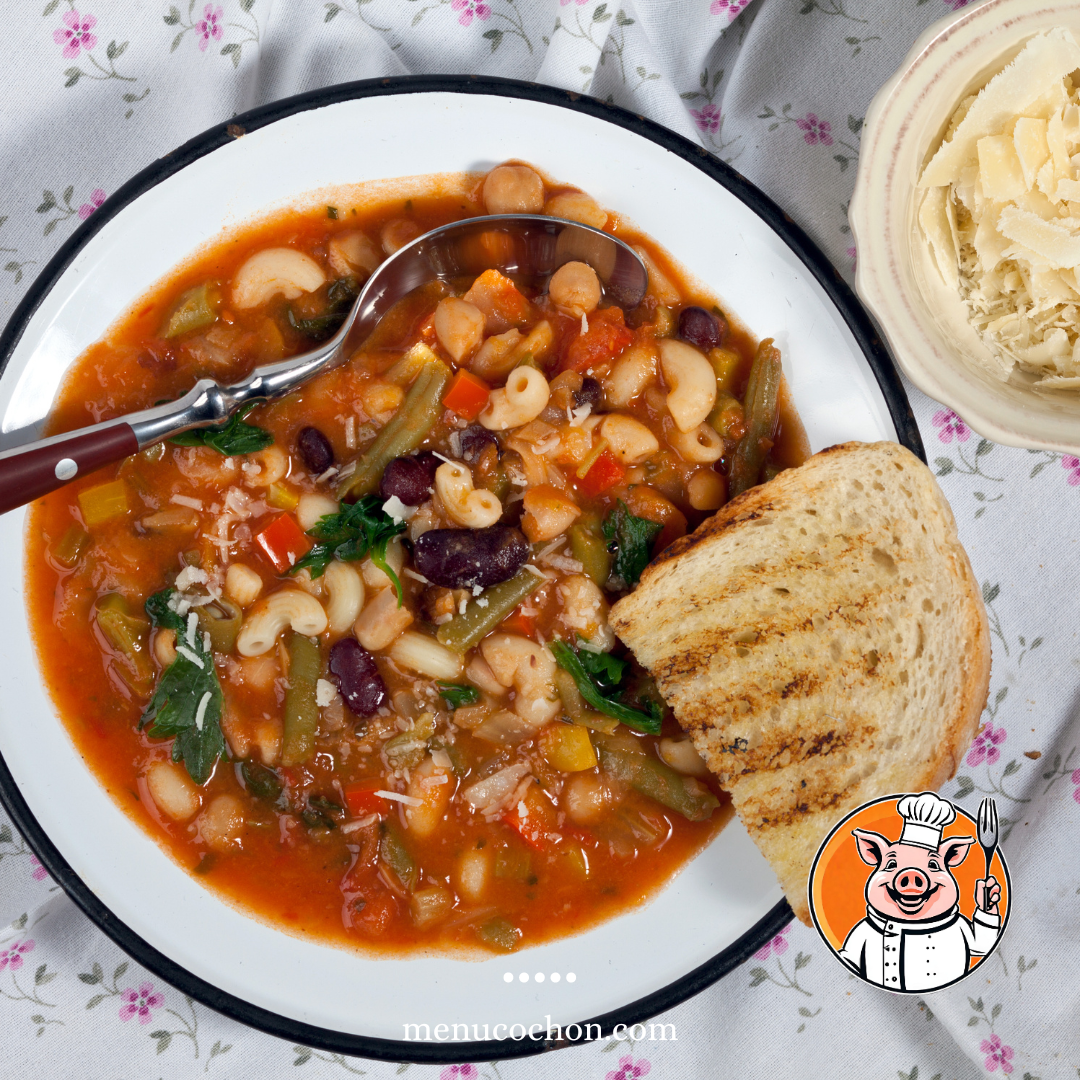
x=988, y=830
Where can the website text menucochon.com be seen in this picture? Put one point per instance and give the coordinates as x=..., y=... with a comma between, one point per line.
x=571, y=1033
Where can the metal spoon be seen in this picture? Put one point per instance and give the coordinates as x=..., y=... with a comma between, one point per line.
x=522, y=244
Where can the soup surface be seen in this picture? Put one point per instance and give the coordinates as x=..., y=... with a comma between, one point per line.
x=347, y=659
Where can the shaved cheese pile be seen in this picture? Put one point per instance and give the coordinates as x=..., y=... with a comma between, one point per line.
x=1001, y=211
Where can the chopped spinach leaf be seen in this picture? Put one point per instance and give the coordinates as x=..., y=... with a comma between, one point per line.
x=234, y=438
x=262, y=782
x=605, y=670
x=321, y=812
x=647, y=719
x=630, y=538
x=359, y=529
x=186, y=704
x=331, y=213
x=339, y=299
x=457, y=694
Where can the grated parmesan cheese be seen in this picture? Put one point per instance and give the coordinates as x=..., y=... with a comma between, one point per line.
x=1000, y=212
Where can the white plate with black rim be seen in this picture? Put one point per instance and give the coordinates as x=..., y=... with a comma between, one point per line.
x=726, y=903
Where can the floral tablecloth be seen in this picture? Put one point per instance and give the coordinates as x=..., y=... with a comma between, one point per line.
x=93, y=90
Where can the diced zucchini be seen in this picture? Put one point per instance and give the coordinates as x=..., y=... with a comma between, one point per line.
x=499, y=933
x=196, y=310
x=103, y=503
x=72, y=545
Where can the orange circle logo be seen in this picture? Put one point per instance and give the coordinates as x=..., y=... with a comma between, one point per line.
x=903, y=895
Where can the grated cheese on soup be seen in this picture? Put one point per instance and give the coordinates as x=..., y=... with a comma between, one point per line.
x=1001, y=211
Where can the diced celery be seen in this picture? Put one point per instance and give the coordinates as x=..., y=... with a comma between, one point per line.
x=221, y=619
x=72, y=545
x=513, y=861
x=103, y=503
x=196, y=310
x=725, y=363
x=429, y=906
x=393, y=852
x=127, y=632
x=589, y=547
x=499, y=933
x=282, y=498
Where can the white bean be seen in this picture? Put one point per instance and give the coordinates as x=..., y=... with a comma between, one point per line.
x=692, y=381
x=222, y=822
x=172, y=790
x=426, y=656
x=576, y=206
x=529, y=668
x=459, y=326
x=381, y=621
x=272, y=271
x=242, y=584
x=375, y=578
x=351, y=251
x=682, y=757
x=474, y=874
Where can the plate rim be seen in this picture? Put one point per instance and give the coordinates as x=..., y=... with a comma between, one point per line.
x=859, y=324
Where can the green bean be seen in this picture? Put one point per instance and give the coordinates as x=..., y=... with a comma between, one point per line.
x=395, y=854
x=301, y=710
x=761, y=404
x=221, y=619
x=72, y=545
x=126, y=632
x=407, y=429
x=464, y=631
x=500, y=934
x=589, y=547
x=651, y=777
x=196, y=310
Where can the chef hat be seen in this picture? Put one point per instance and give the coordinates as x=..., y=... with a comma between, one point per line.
x=924, y=817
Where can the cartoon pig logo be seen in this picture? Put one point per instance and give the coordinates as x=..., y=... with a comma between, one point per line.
x=914, y=937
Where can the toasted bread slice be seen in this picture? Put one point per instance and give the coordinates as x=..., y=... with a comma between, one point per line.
x=823, y=641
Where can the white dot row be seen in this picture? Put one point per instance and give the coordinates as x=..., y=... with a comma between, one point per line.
x=539, y=977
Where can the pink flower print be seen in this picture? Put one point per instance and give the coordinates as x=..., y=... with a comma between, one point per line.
x=469, y=8
x=37, y=871
x=1076, y=781
x=459, y=1072
x=951, y=426
x=776, y=946
x=97, y=197
x=956, y=5
x=730, y=8
x=814, y=130
x=75, y=34
x=707, y=117
x=580, y=3
x=997, y=1053
x=985, y=747
x=852, y=254
x=629, y=1069
x=12, y=956
x=1072, y=464
x=140, y=1003
x=209, y=26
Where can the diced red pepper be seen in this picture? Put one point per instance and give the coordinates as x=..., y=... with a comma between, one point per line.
x=607, y=471
x=283, y=542
x=467, y=396
x=539, y=820
x=606, y=337
x=361, y=799
x=517, y=622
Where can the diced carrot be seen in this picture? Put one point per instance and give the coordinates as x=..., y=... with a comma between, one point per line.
x=283, y=542
x=361, y=799
x=606, y=471
x=606, y=337
x=467, y=396
x=517, y=622
x=537, y=822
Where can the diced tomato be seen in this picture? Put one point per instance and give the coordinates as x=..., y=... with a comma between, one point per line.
x=517, y=622
x=283, y=542
x=467, y=396
x=502, y=303
x=607, y=471
x=361, y=799
x=537, y=822
x=606, y=337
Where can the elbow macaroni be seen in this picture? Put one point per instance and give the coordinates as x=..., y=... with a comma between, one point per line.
x=523, y=398
x=630, y=440
x=702, y=445
x=287, y=607
x=275, y=270
x=346, y=589
x=692, y=381
x=469, y=507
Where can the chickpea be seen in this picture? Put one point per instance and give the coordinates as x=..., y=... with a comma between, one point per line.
x=513, y=189
x=706, y=490
x=584, y=797
x=576, y=206
x=459, y=326
x=222, y=823
x=396, y=233
x=575, y=288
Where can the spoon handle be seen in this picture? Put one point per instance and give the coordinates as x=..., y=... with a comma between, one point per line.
x=28, y=472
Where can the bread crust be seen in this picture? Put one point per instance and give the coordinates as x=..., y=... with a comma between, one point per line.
x=820, y=650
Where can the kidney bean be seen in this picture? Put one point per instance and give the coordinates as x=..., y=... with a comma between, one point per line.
x=410, y=478
x=474, y=440
x=464, y=558
x=591, y=393
x=701, y=328
x=353, y=668
x=315, y=449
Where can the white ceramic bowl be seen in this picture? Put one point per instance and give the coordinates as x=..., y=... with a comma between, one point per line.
x=727, y=902
x=923, y=320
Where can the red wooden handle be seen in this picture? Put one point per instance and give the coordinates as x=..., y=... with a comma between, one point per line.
x=26, y=474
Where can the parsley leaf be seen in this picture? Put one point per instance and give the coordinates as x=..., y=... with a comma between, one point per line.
x=457, y=694
x=174, y=708
x=631, y=539
x=339, y=299
x=647, y=719
x=234, y=438
x=605, y=670
x=357, y=530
